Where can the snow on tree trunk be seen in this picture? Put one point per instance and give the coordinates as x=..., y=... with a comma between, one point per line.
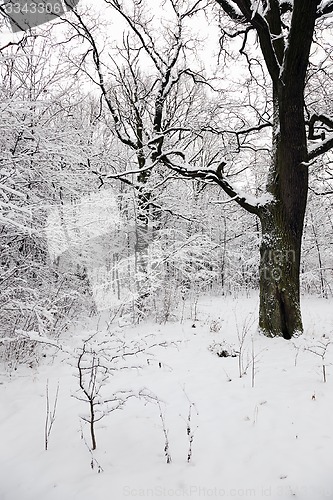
x=279, y=312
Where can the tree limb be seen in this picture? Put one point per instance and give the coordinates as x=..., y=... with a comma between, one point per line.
x=325, y=120
x=217, y=177
x=297, y=52
x=265, y=37
x=325, y=10
x=322, y=148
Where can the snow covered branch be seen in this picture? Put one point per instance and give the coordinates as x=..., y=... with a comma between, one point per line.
x=323, y=147
x=325, y=120
x=245, y=200
x=326, y=143
x=325, y=8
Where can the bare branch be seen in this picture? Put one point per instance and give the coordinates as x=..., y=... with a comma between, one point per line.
x=141, y=33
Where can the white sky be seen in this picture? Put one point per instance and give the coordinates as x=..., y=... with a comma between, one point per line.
x=207, y=33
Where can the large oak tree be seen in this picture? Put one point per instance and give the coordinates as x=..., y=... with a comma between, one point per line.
x=285, y=31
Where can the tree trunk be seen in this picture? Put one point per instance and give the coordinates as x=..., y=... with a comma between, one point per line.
x=280, y=251
x=282, y=220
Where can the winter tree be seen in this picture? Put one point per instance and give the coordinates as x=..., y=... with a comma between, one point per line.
x=285, y=43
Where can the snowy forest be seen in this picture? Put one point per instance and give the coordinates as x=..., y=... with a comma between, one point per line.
x=166, y=244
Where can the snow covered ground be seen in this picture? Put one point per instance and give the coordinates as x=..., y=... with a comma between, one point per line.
x=273, y=440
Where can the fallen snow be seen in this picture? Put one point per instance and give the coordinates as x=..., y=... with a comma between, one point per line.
x=273, y=440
